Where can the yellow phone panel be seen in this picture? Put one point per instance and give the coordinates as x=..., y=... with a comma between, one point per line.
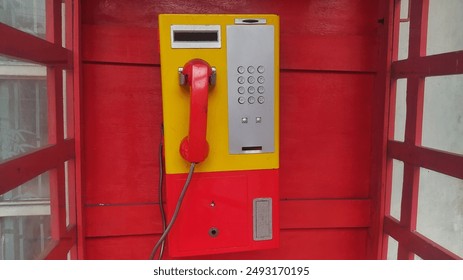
x=243, y=105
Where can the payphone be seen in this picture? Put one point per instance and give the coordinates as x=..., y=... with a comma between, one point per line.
x=220, y=96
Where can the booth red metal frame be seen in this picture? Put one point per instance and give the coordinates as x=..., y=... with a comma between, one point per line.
x=52, y=158
x=415, y=69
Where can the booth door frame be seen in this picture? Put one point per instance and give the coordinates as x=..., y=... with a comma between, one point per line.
x=61, y=152
x=415, y=69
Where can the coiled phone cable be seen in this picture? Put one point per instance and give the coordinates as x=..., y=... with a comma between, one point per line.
x=177, y=209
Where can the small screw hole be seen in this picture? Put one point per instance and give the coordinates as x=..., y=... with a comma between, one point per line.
x=213, y=232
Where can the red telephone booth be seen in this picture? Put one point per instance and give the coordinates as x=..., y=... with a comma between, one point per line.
x=371, y=130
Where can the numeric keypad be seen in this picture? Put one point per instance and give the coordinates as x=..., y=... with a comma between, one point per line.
x=248, y=76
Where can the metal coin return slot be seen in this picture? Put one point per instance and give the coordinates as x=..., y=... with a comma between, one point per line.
x=252, y=149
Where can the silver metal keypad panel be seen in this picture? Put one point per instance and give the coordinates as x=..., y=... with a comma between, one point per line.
x=250, y=67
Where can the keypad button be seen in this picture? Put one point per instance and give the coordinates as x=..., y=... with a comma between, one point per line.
x=240, y=69
x=251, y=90
x=260, y=99
x=241, y=100
x=260, y=89
x=244, y=120
x=241, y=79
x=241, y=90
x=251, y=69
x=258, y=119
x=261, y=69
x=251, y=79
x=251, y=100
x=261, y=79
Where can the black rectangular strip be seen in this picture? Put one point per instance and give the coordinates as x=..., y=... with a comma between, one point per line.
x=252, y=148
x=196, y=36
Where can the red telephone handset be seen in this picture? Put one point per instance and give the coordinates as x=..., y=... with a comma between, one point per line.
x=197, y=74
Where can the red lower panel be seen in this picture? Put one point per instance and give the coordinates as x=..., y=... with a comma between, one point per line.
x=318, y=244
x=221, y=203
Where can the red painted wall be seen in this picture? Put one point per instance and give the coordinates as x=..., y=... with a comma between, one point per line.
x=328, y=67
